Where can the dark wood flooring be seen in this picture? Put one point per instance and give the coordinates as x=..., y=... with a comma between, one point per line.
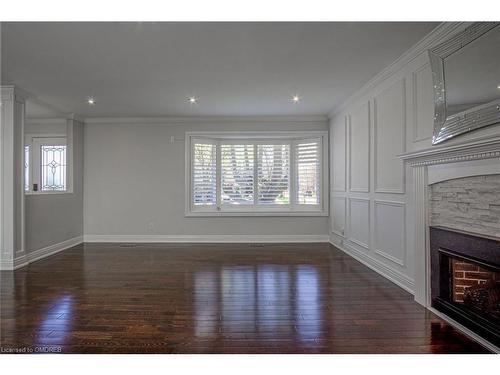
x=215, y=298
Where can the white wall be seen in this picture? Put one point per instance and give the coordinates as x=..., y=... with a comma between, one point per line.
x=134, y=182
x=52, y=219
x=371, y=202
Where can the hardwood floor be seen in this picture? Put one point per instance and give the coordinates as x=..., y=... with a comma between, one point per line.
x=215, y=298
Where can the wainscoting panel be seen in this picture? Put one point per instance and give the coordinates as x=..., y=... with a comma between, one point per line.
x=359, y=149
x=385, y=219
x=338, y=215
x=359, y=222
x=390, y=231
x=338, y=150
x=389, y=134
x=423, y=104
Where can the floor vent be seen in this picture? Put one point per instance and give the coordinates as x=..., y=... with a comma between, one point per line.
x=256, y=245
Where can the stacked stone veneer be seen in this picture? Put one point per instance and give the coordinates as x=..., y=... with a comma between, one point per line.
x=471, y=204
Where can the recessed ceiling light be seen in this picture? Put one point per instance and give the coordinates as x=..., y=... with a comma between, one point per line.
x=193, y=100
x=498, y=87
x=295, y=98
x=91, y=100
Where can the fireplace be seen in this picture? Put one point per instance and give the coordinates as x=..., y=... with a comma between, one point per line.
x=476, y=287
x=465, y=279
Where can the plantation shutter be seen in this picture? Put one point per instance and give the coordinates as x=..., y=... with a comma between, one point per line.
x=307, y=163
x=237, y=174
x=204, y=174
x=257, y=174
x=273, y=170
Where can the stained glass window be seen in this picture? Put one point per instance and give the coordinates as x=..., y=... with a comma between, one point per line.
x=26, y=168
x=53, y=168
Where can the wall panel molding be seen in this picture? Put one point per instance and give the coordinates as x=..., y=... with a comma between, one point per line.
x=337, y=153
x=354, y=232
x=359, y=156
x=420, y=104
x=340, y=202
x=389, y=231
x=389, y=128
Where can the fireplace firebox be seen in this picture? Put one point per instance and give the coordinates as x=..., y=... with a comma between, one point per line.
x=465, y=279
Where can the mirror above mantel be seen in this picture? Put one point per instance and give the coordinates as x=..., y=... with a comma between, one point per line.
x=466, y=78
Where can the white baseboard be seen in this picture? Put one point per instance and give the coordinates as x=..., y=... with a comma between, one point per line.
x=206, y=238
x=21, y=262
x=6, y=265
x=40, y=254
x=396, y=277
x=53, y=249
x=12, y=264
x=488, y=345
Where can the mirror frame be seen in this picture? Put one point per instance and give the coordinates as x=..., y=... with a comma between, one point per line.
x=446, y=127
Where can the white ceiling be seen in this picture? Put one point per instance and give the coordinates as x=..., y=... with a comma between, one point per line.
x=235, y=69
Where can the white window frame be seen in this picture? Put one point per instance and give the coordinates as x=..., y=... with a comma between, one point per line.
x=34, y=141
x=262, y=137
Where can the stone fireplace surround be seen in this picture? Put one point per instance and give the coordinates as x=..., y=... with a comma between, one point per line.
x=477, y=157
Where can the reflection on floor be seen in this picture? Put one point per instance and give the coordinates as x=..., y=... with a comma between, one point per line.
x=214, y=298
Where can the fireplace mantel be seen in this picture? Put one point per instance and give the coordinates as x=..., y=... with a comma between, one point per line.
x=482, y=148
x=420, y=161
x=467, y=154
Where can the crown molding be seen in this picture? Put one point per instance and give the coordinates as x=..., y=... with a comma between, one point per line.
x=54, y=120
x=481, y=148
x=442, y=32
x=75, y=117
x=9, y=91
x=178, y=120
x=205, y=119
x=45, y=121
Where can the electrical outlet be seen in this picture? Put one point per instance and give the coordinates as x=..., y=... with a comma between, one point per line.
x=151, y=227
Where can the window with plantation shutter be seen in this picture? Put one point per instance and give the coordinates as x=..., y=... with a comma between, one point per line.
x=251, y=173
x=237, y=164
x=273, y=174
x=307, y=162
x=204, y=174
